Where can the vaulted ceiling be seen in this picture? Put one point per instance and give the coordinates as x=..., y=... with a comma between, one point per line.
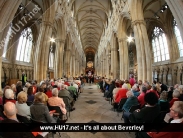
x=92, y=18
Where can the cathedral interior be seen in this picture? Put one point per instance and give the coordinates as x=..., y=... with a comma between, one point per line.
x=120, y=37
x=114, y=39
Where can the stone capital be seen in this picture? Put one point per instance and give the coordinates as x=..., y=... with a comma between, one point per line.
x=138, y=22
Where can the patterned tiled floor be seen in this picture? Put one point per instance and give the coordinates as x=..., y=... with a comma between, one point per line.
x=91, y=107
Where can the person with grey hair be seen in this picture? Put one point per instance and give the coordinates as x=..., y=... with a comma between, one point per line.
x=65, y=93
x=135, y=90
x=142, y=95
x=180, y=89
x=57, y=101
x=10, y=112
x=175, y=95
x=121, y=93
x=9, y=96
x=132, y=100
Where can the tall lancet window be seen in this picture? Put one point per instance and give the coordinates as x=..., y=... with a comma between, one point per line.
x=25, y=45
x=160, y=46
x=51, y=57
x=178, y=37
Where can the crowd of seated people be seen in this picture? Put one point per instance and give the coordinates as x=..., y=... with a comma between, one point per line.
x=33, y=100
x=152, y=100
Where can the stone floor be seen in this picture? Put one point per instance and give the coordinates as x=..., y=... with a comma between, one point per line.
x=91, y=106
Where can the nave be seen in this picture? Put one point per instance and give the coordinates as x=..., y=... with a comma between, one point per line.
x=91, y=106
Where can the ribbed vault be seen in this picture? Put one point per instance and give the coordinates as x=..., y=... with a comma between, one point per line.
x=92, y=18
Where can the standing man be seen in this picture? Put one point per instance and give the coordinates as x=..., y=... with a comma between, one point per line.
x=23, y=78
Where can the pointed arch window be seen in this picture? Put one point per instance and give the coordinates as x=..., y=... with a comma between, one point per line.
x=51, y=56
x=160, y=46
x=25, y=45
x=178, y=38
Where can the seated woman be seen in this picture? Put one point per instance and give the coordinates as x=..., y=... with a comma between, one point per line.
x=146, y=114
x=180, y=88
x=48, y=91
x=22, y=108
x=132, y=100
x=30, y=95
x=142, y=95
x=175, y=96
x=115, y=90
x=56, y=101
x=135, y=90
x=164, y=104
x=39, y=111
x=9, y=96
x=121, y=93
x=13, y=87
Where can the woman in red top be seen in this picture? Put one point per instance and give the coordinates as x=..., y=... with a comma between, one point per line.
x=121, y=93
x=141, y=96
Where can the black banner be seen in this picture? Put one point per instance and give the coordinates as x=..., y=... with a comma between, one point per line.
x=90, y=127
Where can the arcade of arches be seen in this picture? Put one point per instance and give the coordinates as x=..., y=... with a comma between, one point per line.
x=57, y=38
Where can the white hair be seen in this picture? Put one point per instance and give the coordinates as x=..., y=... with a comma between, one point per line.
x=9, y=93
x=129, y=94
x=41, y=82
x=125, y=86
x=176, y=94
x=55, y=92
x=134, y=87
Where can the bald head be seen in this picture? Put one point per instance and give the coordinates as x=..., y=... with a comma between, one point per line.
x=10, y=109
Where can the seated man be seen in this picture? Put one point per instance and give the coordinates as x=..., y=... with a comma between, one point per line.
x=66, y=93
x=146, y=114
x=73, y=91
x=10, y=112
x=176, y=113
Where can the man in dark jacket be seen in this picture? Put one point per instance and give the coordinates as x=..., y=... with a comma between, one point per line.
x=10, y=112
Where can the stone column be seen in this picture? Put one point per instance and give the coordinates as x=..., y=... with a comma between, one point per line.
x=58, y=70
x=67, y=62
x=144, y=60
x=124, y=62
x=42, y=51
x=143, y=50
x=114, y=62
x=76, y=62
x=177, y=11
x=107, y=65
x=73, y=64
